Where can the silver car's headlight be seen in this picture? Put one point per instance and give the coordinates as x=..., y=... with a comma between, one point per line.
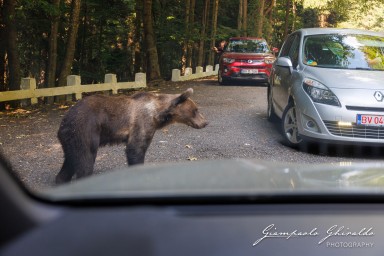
x=320, y=93
x=228, y=60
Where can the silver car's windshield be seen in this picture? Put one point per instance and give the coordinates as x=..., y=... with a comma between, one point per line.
x=248, y=46
x=344, y=51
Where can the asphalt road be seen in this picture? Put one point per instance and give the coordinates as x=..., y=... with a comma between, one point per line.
x=237, y=128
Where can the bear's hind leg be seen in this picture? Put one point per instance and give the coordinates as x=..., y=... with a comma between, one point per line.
x=82, y=165
x=87, y=159
x=66, y=172
x=85, y=168
x=80, y=162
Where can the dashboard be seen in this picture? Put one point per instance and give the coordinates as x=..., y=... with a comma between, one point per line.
x=188, y=226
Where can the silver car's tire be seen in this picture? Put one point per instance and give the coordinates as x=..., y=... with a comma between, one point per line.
x=271, y=115
x=220, y=79
x=289, y=127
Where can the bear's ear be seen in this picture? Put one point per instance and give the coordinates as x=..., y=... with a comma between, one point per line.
x=183, y=97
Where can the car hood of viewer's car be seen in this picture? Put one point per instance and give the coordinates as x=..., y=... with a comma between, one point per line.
x=236, y=177
x=347, y=78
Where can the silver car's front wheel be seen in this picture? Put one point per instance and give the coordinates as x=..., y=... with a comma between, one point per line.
x=271, y=116
x=221, y=79
x=289, y=123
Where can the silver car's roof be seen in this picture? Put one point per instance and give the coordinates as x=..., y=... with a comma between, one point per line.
x=318, y=31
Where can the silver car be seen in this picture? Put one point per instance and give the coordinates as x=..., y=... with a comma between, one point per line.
x=327, y=85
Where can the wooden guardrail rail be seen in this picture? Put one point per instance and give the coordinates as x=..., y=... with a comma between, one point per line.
x=209, y=71
x=74, y=86
x=30, y=91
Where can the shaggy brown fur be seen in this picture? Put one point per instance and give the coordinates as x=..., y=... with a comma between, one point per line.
x=99, y=120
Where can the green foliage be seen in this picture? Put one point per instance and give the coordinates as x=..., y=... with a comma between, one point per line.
x=110, y=40
x=36, y=7
x=310, y=18
x=366, y=15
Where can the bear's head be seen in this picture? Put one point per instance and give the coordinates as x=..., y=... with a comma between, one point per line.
x=184, y=110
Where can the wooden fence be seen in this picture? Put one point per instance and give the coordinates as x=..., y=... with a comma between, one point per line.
x=209, y=71
x=74, y=86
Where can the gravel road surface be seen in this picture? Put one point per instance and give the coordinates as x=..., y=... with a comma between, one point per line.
x=237, y=128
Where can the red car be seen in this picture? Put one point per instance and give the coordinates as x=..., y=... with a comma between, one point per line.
x=246, y=58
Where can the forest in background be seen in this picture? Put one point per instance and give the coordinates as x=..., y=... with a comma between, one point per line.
x=51, y=39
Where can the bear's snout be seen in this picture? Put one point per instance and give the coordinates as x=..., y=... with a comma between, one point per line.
x=199, y=122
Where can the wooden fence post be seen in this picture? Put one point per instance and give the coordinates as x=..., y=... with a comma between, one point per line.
x=188, y=72
x=141, y=79
x=74, y=80
x=111, y=79
x=199, y=69
x=175, y=75
x=28, y=84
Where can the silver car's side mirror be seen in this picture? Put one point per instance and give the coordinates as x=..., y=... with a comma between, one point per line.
x=285, y=62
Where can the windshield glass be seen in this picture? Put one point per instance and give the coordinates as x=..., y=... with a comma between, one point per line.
x=248, y=46
x=344, y=51
x=125, y=96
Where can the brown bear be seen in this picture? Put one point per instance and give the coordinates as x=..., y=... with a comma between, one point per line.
x=99, y=120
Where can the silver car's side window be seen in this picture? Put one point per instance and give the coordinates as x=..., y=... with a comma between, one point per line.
x=287, y=46
x=291, y=49
x=294, y=51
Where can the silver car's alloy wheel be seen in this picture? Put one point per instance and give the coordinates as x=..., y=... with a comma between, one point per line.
x=289, y=122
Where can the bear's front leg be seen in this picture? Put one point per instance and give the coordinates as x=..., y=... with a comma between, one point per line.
x=137, y=146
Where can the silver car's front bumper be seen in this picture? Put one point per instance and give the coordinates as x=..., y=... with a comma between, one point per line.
x=337, y=124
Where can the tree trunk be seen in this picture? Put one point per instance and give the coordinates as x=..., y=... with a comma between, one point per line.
x=186, y=37
x=270, y=13
x=52, y=48
x=287, y=11
x=294, y=15
x=245, y=17
x=153, y=69
x=71, y=44
x=240, y=18
x=3, y=76
x=260, y=19
x=191, y=26
x=2, y=50
x=203, y=33
x=83, y=51
x=138, y=37
x=322, y=21
x=211, y=60
x=14, y=78
x=52, y=52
